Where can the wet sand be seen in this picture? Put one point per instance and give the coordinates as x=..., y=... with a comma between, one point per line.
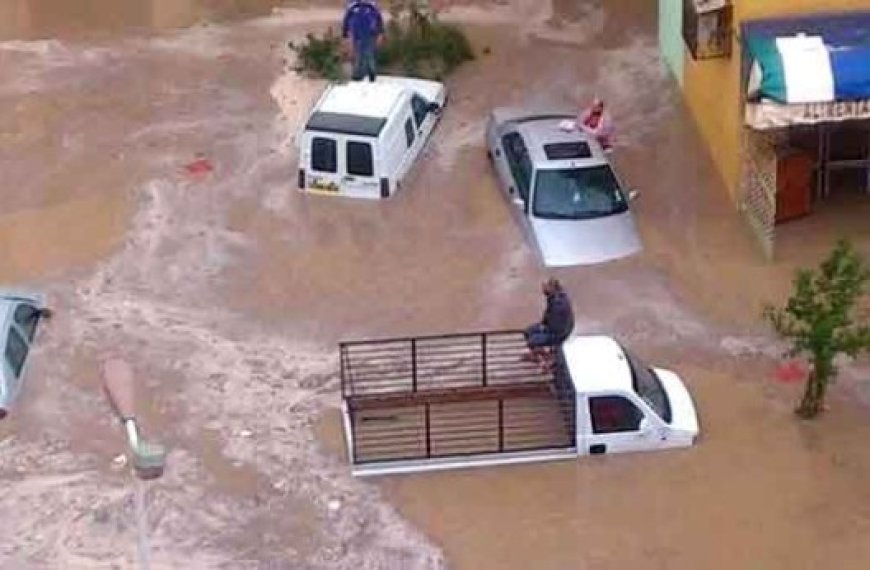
x=228, y=290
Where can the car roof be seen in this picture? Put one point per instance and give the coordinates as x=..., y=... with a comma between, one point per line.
x=597, y=364
x=538, y=132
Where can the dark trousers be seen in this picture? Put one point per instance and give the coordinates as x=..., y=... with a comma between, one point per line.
x=364, y=61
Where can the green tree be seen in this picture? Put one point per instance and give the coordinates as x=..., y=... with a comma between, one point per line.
x=822, y=319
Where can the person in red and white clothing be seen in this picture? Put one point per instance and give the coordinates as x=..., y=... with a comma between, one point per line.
x=596, y=121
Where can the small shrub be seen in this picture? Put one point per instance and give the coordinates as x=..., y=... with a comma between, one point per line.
x=420, y=45
x=821, y=319
x=319, y=56
x=416, y=44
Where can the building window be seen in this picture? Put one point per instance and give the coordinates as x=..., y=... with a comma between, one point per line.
x=707, y=28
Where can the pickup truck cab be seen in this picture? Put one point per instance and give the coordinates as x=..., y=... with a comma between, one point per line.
x=451, y=401
x=622, y=403
x=362, y=138
x=19, y=317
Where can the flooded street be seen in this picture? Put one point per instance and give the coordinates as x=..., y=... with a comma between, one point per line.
x=150, y=193
x=42, y=19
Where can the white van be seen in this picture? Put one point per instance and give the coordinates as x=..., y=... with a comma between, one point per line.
x=361, y=138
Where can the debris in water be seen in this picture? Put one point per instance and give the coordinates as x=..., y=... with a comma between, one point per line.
x=199, y=167
x=119, y=462
x=791, y=372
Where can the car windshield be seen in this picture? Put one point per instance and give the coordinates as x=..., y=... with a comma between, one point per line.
x=578, y=193
x=649, y=387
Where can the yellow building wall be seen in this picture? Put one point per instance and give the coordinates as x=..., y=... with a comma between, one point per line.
x=712, y=87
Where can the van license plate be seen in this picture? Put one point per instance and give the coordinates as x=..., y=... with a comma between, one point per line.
x=324, y=186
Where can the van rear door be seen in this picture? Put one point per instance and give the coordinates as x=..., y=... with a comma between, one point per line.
x=360, y=177
x=322, y=168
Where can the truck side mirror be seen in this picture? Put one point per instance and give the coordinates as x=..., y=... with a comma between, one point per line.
x=633, y=195
x=433, y=108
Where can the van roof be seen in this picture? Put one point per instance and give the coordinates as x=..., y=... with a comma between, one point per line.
x=363, y=99
x=355, y=108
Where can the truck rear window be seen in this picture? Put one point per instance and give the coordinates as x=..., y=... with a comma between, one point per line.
x=323, y=155
x=359, y=159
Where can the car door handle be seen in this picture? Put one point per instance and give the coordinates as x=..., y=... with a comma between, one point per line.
x=348, y=178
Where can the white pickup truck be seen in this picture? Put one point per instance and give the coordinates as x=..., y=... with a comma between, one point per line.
x=441, y=402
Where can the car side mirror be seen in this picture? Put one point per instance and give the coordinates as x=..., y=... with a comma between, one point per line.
x=519, y=202
x=433, y=108
x=633, y=195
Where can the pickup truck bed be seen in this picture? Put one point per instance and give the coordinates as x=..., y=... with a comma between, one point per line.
x=413, y=404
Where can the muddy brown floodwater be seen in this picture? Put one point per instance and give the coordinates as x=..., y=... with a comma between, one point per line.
x=228, y=291
x=37, y=19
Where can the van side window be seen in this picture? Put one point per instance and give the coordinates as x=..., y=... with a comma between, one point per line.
x=409, y=132
x=419, y=107
x=16, y=352
x=518, y=159
x=614, y=414
x=324, y=155
x=359, y=159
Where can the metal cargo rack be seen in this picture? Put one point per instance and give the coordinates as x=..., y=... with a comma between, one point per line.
x=413, y=404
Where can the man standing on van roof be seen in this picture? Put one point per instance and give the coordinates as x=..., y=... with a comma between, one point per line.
x=364, y=26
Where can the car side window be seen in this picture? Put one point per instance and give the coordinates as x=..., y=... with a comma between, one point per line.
x=614, y=414
x=419, y=106
x=409, y=132
x=520, y=164
x=359, y=159
x=324, y=155
x=16, y=352
x=26, y=316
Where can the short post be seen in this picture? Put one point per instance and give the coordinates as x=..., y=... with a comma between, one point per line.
x=414, y=365
x=483, y=357
x=428, y=433
x=500, y=424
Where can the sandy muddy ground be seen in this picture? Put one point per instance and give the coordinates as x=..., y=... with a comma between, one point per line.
x=228, y=291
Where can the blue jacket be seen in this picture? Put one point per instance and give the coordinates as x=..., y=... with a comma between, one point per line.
x=362, y=22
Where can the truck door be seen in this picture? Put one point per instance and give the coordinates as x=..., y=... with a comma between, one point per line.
x=617, y=424
x=360, y=177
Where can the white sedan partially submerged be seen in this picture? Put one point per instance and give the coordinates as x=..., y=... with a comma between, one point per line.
x=562, y=187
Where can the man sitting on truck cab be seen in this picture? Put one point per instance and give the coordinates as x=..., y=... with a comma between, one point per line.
x=555, y=326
